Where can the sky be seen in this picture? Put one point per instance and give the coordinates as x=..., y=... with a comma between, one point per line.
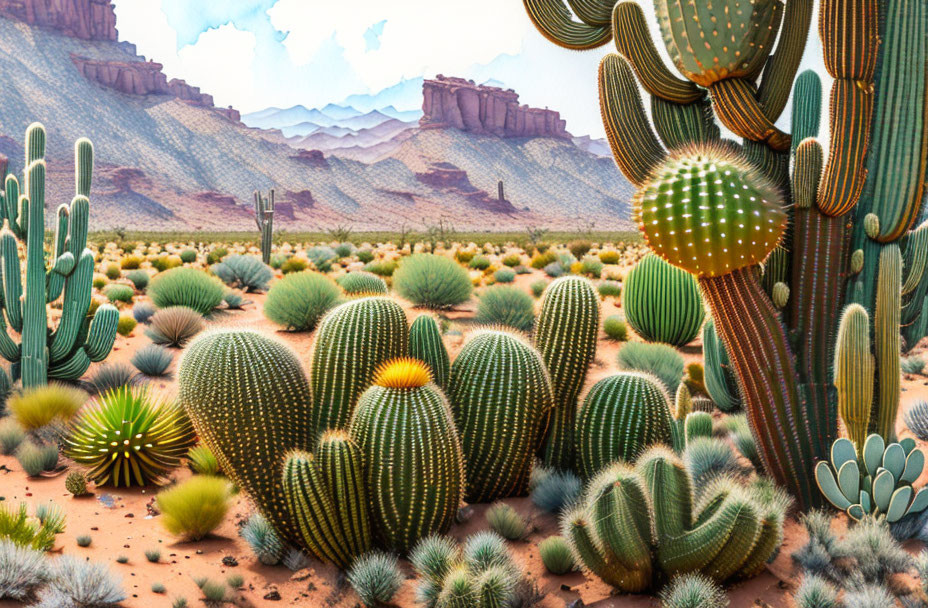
x=254, y=54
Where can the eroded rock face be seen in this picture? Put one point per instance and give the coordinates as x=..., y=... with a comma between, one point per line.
x=449, y=102
x=84, y=19
x=449, y=178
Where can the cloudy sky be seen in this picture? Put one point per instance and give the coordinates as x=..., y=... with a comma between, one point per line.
x=253, y=54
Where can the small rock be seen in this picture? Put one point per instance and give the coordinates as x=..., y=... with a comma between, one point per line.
x=273, y=596
x=230, y=561
x=301, y=575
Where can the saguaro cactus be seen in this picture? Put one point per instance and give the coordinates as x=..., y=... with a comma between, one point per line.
x=67, y=351
x=264, y=218
x=778, y=328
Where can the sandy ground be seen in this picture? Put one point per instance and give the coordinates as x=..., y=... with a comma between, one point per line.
x=120, y=525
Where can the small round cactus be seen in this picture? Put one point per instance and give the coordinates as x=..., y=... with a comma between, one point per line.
x=709, y=212
x=76, y=483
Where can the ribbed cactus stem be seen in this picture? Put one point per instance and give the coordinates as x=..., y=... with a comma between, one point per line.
x=264, y=218
x=854, y=373
x=887, y=340
x=35, y=317
x=425, y=344
x=662, y=302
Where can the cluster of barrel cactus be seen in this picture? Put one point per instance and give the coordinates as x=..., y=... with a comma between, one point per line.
x=778, y=255
x=67, y=351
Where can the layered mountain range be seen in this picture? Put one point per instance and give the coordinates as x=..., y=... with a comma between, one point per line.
x=168, y=159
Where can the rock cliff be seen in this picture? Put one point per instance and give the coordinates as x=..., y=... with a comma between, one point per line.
x=84, y=19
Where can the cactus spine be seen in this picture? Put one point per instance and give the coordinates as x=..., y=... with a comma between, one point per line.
x=621, y=416
x=662, y=302
x=565, y=335
x=425, y=344
x=68, y=351
x=415, y=468
x=264, y=218
x=250, y=404
x=501, y=396
x=353, y=339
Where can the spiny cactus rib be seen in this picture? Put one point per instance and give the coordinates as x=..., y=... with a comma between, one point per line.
x=353, y=339
x=555, y=22
x=807, y=107
x=501, y=397
x=250, y=404
x=736, y=105
x=565, y=335
x=887, y=341
x=854, y=372
x=425, y=344
x=775, y=84
x=633, y=40
x=683, y=124
x=850, y=38
x=634, y=145
x=843, y=180
x=621, y=416
x=662, y=303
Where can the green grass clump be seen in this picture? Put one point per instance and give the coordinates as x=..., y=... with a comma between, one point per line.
x=130, y=262
x=126, y=325
x=195, y=507
x=216, y=255
x=158, y=588
x=322, y=257
x=113, y=272
x=202, y=461
x=139, y=278
x=615, y=328
x=913, y=365
x=110, y=376
x=214, y=592
x=235, y=581
x=298, y=301
x=556, y=555
x=609, y=289
x=37, y=458
x=263, y=540
x=174, y=326
x=153, y=360
x=376, y=577
x=538, y=287
x=11, y=436
x=99, y=281
x=117, y=292
x=383, y=268
x=19, y=528
x=432, y=281
x=693, y=591
x=506, y=305
x=660, y=360
x=40, y=406
x=506, y=521
x=245, y=272
x=479, y=262
x=188, y=256
x=609, y=257
x=187, y=287
x=163, y=263
x=504, y=275
x=153, y=555
x=591, y=267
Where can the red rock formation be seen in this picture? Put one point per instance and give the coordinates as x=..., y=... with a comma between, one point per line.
x=457, y=103
x=303, y=199
x=311, y=158
x=447, y=177
x=84, y=19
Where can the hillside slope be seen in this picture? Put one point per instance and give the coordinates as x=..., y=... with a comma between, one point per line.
x=167, y=164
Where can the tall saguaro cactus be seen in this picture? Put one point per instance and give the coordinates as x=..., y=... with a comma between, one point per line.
x=67, y=351
x=773, y=252
x=264, y=218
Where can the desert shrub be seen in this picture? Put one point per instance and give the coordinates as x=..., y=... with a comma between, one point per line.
x=186, y=287
x=816, y=592
x=504, y=275
x=591, y=267
x=11, y=435
x=99, y=281
x=298, y=301
x=556, y=555
x=508, y=306
x=913, y=365
x=384, y=268
x=579, y=248
x=916, y=419
x=139, y=278
x=294, y=264
x=609, y=289
x=553, y=491
x=464, y=256
x=540, y=260
x=216, y=255
x=17, y=527
x=163, y=263
x=188, y=256
x=506, y=521
x=245, y=272
x=479, y=262
x=110, y=376
x=365, y=255
x=361, y=282
x=321, y=257
x=195, y=507
x=153, y=555
x=174, y=326
x=202, y=461
x=615, y=328
x=609, y=257
x=37, y=407
x=130, y=262
x=343, y=250
x=432, y=281
x=376, y=577
x=79, y=583
x=125, y=325
x=512, y=260
x=143, y=311
x=22, y=571
x=113, y=272
x=153, y=360
x=34, y=458
x=693, y=591
x=554, y=270
x=234, y=300
x=117, y=292
x=538, y=287
x=263, y=540
x=659, y=360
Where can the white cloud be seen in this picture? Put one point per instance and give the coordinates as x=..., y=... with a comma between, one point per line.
x=221, y=63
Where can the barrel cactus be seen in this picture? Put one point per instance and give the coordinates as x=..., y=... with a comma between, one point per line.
x=636, y=526
x=326, y=493
x=878, y=482
x=425, y=344
x=565, y=335
x=353, y=339
x=415, y=467
x=501, y=396
x=250, y=404
x=621, y=416
x=662, y=303
x=360, y=282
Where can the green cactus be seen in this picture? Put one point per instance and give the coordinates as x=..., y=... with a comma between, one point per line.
x=721, y=382
x=565, y=335
x=877, y=482
x=66, y=352
x=250, y=404
x=353, y=339
x=854, y=373
x=415, y=467
x=264, y=218
x=696, y=425
x=636, y=526
x=620, y=418
x=501, y=396
x=662, y=302
x=425, y=344
x=327, y=495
